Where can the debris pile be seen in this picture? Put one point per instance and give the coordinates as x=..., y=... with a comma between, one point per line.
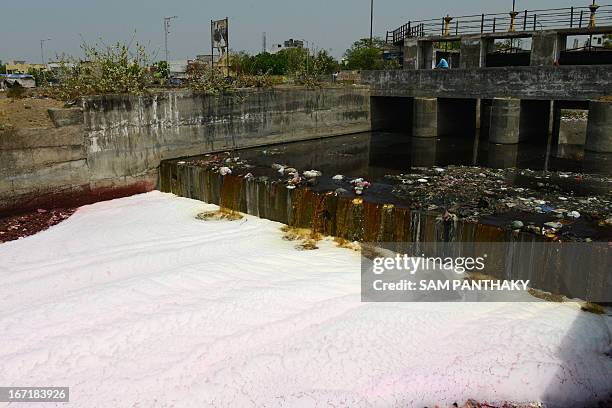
x=24, y=225
x=473, y=192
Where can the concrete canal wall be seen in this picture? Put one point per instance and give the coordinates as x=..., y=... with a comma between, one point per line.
x=112, y=146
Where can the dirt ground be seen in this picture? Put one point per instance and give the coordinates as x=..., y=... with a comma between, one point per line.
x=28, y=112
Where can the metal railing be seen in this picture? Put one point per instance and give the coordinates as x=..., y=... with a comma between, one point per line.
x=521, y=21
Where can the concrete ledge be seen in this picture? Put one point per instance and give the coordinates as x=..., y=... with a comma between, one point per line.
x=43, y=137
x=66, y=117
x=563, y=83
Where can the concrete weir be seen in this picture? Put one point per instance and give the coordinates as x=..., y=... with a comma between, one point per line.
x=599, y=127
x=352, y=218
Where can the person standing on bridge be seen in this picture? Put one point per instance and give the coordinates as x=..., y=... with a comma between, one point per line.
x=443, y=64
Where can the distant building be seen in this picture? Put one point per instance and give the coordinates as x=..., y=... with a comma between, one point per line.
x=207, y=59
x=8, y=80
x=178, y=68
x=290, y=43
x=22, y=67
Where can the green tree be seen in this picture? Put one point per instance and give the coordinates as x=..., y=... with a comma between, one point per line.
x=325, y=63
x=161, y=70
x=42, y=77
x=365, y=55
x=607, y=41
x=2, y=67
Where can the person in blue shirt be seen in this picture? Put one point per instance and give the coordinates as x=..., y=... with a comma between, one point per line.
x=443, y=64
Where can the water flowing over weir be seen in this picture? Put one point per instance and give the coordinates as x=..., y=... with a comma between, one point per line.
x=377, y=218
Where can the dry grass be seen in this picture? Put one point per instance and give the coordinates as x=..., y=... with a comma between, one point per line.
x=549, y=297
x=222, y=214
x=593, y=308
x=346, y=244
x=5, y=123
x=307, y=237
x=28, y=112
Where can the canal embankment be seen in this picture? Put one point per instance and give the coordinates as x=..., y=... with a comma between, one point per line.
x=111, y=146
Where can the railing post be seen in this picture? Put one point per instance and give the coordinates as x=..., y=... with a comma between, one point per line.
x=409, y=29
x=513, y=15
x=572, y=18
x=581, y=15
x=593, y=7
x=482, y=24
x=443, y=26
x=457, y=27
x=525, y=21
x=446, y=26
x=494, y=18
x=535, y=21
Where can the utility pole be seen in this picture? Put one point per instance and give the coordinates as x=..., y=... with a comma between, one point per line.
x=264, y=46
x=166, y=32
x=42, y=49
x=371, y=21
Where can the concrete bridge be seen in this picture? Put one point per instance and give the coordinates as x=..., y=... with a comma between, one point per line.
x=508, y=103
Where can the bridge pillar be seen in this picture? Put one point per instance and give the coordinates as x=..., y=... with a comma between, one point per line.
x=411, y=53
x=505, y=121
x=425, y=117
x=546, y=48
x=471, y=49
x=599, y=127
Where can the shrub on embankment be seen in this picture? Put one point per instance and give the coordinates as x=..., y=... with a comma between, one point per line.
x=119, y=69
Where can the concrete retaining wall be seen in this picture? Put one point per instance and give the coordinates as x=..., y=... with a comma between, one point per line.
x=113, y=147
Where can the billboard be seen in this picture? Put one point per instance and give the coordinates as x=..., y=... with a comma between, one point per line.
x=219, y=34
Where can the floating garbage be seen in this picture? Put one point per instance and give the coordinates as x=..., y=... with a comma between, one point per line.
x=554, y=225
x=338, y=177
x=546, y=208
x=224, y=171
x=341, y=191
x=359, y=185
x=573, y=214
x=517, y=225
x=312, y=173
x=295, y=180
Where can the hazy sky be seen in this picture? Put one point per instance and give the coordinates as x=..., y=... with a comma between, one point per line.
x=329, y=24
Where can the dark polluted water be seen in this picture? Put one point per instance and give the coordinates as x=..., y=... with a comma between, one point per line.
x=375, y=154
